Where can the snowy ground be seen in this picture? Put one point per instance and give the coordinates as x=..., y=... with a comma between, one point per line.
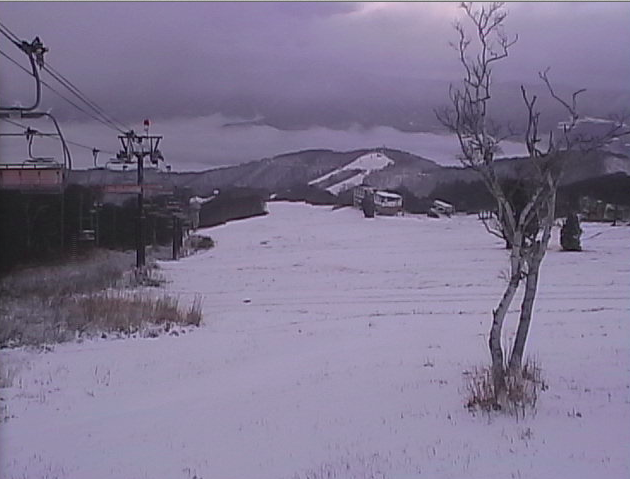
x=334, y=346
x=368, y=163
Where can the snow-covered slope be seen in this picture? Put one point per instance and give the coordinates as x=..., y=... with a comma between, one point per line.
x=334, y=346
x=364, y=165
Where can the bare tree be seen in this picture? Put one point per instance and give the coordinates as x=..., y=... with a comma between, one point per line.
x=526, y=228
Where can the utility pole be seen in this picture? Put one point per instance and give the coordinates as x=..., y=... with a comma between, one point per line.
x=148, y=146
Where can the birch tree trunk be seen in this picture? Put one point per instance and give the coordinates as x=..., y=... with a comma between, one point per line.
x=498, y=318
x=496, y=348
x=525, y=319
x=533, y=261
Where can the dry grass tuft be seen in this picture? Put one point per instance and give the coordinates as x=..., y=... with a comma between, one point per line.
x=7, y=376
x=480, y=389
x=194, y=315
x=128, y=313
x=523, y=389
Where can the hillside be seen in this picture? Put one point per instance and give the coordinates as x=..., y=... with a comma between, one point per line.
x=322, y=175
x=272, y=174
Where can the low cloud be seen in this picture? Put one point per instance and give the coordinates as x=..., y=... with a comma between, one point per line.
x=194, y=144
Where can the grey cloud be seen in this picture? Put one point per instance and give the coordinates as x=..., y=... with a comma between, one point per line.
x=301, y=65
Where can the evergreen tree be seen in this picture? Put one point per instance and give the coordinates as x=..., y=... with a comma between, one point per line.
x=570, y=234
x=367, y=205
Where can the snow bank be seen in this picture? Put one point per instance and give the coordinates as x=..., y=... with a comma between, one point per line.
x=336, y=345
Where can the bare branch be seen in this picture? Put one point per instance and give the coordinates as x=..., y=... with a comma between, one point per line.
x=494, y=229
x=531, y=135
x=572, y=109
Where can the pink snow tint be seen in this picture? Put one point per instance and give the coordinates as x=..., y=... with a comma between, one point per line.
x=347, y=361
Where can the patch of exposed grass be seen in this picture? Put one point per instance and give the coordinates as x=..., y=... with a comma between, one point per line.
x=53, y=304
x=128, y=312
x=100, y=270
x=122, y=312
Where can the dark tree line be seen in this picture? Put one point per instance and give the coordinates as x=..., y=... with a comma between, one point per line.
x=37, y=228
x=233, y=204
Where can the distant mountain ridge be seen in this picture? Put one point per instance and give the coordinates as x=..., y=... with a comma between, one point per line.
x=279, y=172
x=327, y=170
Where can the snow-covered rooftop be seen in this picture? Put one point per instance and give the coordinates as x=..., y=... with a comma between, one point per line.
x=386, y=194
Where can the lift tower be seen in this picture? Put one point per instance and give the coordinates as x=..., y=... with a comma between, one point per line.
x=135, y=148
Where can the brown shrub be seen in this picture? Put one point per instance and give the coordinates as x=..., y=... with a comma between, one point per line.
x=128, y=313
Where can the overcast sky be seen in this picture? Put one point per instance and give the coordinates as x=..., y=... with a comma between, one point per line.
x=296, y=62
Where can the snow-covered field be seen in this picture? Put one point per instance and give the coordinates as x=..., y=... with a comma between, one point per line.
x=335, y=346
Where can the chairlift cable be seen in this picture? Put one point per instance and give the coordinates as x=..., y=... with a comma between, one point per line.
x=105, y=118
x=91, y=148
x=67, y=83
x=15, y=62
x=79, y=94
x=104, y=122
x=54, y=134
x=10, y=35
x=88, y=102
x=14, y=123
